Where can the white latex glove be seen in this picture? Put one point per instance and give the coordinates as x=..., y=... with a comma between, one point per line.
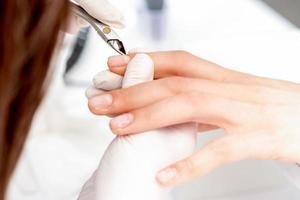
x=101, y=10
x=128, y=168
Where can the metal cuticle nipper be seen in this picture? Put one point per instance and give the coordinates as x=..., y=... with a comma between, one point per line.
x=103, y=30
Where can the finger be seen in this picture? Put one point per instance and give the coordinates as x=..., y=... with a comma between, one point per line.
x=125, y=100
x=123, y=60
x=103, y=11
x=213, y=155
x=145, y=94
x=192, y=107
x=180, y=63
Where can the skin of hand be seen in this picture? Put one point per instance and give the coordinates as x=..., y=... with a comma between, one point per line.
x=101, y=10
x=260, y=116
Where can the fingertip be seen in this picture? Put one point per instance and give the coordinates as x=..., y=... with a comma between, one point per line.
x=91, y=108
x=118, y=70
x=100, y=104
x=117, y=131
x=120, y=123
x=118, y=61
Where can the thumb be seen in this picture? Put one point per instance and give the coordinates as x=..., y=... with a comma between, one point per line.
x=218, y=152
x=140, y=69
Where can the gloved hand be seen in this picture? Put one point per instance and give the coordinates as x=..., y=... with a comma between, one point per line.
x=128, y=168
x=101, y=10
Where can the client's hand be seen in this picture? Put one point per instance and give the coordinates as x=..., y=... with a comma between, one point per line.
x=259, y=115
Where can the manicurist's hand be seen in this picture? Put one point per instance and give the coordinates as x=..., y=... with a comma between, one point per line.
x=261, y=117
x=101, y=10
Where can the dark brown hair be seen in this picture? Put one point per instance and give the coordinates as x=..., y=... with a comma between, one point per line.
x=29, y=30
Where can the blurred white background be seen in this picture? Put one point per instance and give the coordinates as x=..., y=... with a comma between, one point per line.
x=67, y=142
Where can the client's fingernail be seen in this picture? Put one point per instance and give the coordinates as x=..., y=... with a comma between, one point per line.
x=101, y=102
x=121, y=121
x=166, y=175
x=118, y=61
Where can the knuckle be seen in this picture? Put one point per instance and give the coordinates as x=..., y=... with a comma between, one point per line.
x=117, y=95
x=191, y=101
x=181, y=57
x=188, y=166
x=196, y=102
x=193, y=97
x=196, y=98
x=174, y=84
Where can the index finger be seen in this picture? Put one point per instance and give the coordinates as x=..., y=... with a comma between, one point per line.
x=177, y=63
x=181, y=63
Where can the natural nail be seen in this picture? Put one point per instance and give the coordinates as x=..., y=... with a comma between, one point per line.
x=118, y=61
x=101, y=102
x=121, y=121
